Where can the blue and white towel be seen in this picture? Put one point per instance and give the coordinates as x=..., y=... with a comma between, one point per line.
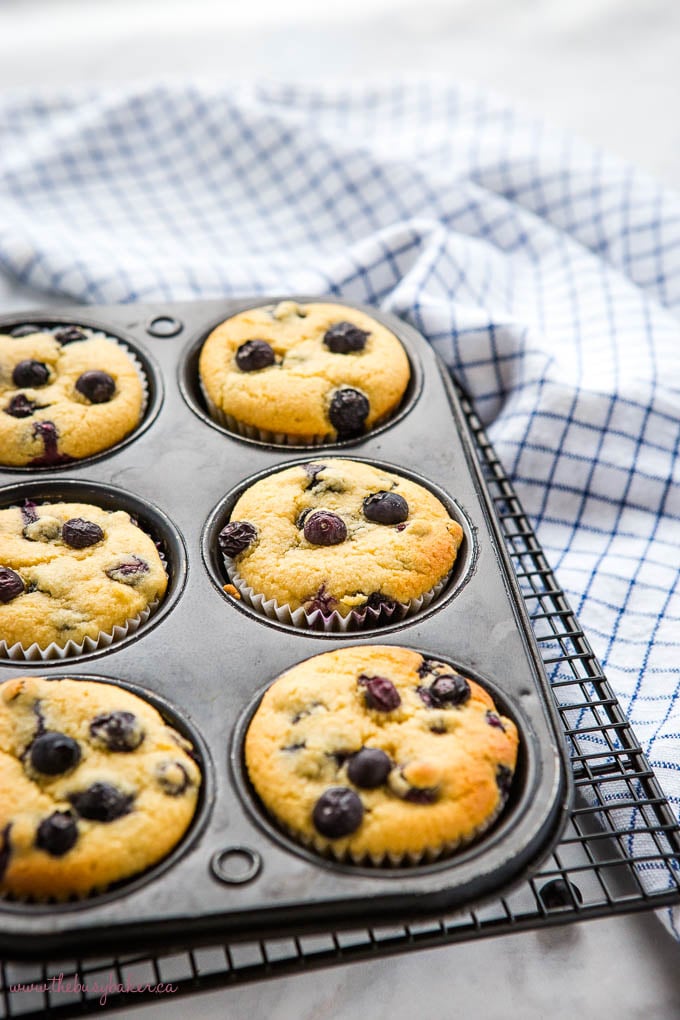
x=545, y=273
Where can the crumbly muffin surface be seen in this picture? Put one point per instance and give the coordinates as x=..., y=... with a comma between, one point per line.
x=390, y=538
x=64, y=400
x=71, y=570
x=377, y=752
x=313, y=372
x=94, y=787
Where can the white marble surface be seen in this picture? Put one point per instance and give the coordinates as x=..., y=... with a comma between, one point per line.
x=607, y=69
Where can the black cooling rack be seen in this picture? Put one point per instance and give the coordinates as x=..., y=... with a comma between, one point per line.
x=620, y=829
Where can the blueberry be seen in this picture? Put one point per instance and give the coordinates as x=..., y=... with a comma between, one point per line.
x=377, y=601
x=422, y=795
x=80, y=534
x=236, y=537
x=348, y=411
x=324, y=528
x=101, y=802
x=69, y=335
x=338, y=812
x=494, y=720
x=385, y=508
x=53, y=753
x=369, y=768
x=97, y=386
x=504, y=779
x=313, y=470
x=11, y=585
x=57, y=834
x=322, y=600
x=117, y=731
x=30, y=373
x=129, y=572
x=26, y=330
x=29, y=512
x=172, y=778
x=381, y=694
x=21, y=407
x=450, y=689
x=47, y=431
x=345, y=337
x=254, y=355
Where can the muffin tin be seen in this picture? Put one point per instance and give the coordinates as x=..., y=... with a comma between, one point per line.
x=207, y=657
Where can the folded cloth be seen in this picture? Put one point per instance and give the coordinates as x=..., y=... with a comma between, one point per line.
x=545, y=273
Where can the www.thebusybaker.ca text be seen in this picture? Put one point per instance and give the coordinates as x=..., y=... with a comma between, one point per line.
x=57, y=984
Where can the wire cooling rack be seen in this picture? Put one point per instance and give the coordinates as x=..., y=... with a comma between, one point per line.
x=620, y=829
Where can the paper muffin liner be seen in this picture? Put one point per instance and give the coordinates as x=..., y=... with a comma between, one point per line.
x=388, y=859
x=35, y=653
x=334, y=622
x=277, y=438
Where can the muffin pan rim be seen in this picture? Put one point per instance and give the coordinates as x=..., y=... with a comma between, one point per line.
x=152, y=374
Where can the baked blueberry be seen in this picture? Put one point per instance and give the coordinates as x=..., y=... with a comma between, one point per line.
x=172, y=778
x=348, y=411
x=324, y=528
x=385, y=508
x=117, y=731
x=369, y=768
x=338, y=812
x=57, y=834
x=380, y=693
x=11, y=585
x=313, y=470
x=47, y=431
x=128, y=572
x=101, y=802
x=422, y=794
x=53, y=753
x=21, y=407
x=254, y=355
x=345, y=338
x=69, y=335
x=494, y=720
x=97, y=386
x=377, y=601
x=236, y=537
x=30, y=373
x=449, y=689
x=79, y=533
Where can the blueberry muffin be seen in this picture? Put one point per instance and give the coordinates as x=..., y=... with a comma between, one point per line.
x=94, y=787
x=64, y=395
x=311, y=373
x=69, y=571
x=339, y=536
x=380, y=754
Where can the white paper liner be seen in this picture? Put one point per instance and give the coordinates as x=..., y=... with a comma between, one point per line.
x=335, y=622
x=35, y=653
x=277, y=438
x=393, y=860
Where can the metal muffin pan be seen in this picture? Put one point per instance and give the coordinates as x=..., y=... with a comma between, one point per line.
x=208, y=660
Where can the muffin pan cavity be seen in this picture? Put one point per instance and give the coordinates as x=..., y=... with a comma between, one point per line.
x=71, y=330
x=193, y=393
x=152, y=521
x=330, y=624
x=197, y=751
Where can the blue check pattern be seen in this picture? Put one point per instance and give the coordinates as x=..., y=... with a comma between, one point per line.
x=544, y=272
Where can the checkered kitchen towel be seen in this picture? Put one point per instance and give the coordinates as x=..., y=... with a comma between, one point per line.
x=545, y=273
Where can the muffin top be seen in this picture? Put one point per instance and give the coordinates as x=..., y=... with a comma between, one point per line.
x=314, y=372
x=338, y=535
x=64, y=395
x=70, y=570
x=94, y=786
x=378, y=752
